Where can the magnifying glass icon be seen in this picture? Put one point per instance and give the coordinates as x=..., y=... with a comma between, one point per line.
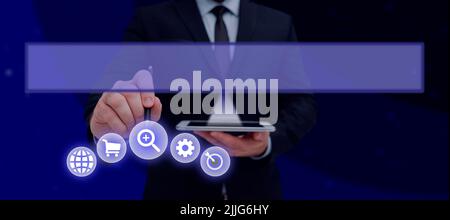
x=151, y=143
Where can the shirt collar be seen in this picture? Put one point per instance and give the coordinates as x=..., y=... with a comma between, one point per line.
x=205, y=6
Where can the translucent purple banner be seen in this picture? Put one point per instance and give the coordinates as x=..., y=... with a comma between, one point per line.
x=295, y=67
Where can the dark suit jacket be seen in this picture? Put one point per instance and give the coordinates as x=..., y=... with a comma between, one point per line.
x=247, y=178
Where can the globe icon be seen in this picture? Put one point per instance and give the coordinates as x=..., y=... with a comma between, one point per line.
x=81, y=161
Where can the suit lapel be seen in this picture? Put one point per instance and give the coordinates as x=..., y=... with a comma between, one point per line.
x=188, y=11
x=247, y=21
x=190, y=16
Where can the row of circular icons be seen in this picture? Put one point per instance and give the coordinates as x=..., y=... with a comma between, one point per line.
x=148, y=140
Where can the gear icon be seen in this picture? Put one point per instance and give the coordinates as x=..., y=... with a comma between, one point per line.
x=185, y=143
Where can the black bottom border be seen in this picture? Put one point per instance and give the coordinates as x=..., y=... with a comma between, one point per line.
x=227, y=209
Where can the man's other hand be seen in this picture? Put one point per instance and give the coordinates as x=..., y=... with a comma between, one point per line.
x=249, y=145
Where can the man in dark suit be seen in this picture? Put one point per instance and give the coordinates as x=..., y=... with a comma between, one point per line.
x=254, y=175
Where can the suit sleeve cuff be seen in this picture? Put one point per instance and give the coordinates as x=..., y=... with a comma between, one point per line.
x=266, y=153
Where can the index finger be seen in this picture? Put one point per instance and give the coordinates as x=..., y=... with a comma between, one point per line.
x=143, y=80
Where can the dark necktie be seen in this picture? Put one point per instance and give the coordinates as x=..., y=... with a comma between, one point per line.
x=222, y=51
x=220, y=31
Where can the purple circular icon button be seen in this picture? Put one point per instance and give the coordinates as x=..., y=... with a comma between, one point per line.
x=111, y=148
x=215, y=161
x=185, y=148
x=148, y=140
x=81, y=161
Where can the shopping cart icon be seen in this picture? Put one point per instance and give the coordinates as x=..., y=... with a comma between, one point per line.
x=111, y=148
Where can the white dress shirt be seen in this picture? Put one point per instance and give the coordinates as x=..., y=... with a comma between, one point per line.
x=231, y=17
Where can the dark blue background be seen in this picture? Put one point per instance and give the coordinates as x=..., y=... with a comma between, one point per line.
x=376, y=146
